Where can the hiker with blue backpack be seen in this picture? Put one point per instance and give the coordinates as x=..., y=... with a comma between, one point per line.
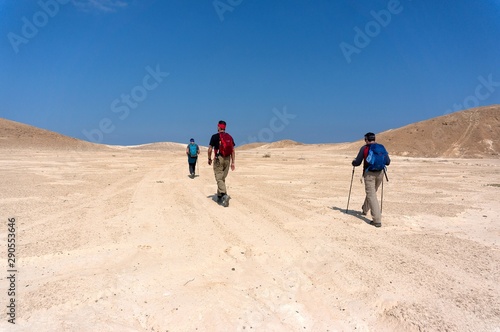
x=192, y=151
x=375, y=159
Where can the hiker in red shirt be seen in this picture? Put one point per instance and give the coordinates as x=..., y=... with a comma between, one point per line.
x=374, y=158
x=223, y=146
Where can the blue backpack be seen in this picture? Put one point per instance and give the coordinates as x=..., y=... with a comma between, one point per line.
x=376, y=157
x=193, y=150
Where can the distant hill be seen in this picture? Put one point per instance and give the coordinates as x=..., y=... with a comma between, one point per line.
x=250, y=146
x=287, y=143
x=473, y=133
x=160, y=146
x=15, y=135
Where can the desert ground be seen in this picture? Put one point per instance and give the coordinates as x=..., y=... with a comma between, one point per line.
x=121, y=239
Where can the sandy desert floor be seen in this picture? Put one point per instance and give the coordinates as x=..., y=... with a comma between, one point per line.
x=124, y=240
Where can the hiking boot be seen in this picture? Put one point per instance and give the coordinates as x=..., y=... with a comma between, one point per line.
x=376, y=224
x=225, y=200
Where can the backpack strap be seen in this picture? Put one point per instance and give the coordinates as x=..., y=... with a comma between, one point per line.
x=365, y=154
x=216, y=151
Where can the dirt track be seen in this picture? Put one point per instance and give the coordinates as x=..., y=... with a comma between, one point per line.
x=126, y=241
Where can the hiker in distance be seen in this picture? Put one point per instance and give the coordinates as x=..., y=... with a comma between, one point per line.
x=374, y=157
x=223, y=146
x=192, y=151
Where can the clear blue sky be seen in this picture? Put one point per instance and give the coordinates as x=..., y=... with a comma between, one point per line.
x=316, y=71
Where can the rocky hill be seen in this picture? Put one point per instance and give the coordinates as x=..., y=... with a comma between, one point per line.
x=15, y=135
x=473, y=133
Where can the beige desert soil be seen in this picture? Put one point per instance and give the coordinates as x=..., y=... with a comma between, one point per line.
x=121, y=239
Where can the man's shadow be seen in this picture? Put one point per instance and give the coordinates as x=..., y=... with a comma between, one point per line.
x=357, y=214
x=214, y=198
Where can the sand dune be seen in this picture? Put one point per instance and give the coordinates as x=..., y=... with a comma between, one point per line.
x=121, y=239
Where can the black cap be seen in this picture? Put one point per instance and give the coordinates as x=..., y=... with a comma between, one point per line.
x=370, y=137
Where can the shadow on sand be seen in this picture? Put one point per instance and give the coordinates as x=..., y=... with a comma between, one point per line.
x=354, y=213
x=214, y=198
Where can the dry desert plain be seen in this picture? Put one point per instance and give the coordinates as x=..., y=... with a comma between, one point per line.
x=121, y=239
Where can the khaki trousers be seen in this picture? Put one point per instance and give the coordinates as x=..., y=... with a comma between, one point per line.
x=373, y=180
x=221, y=169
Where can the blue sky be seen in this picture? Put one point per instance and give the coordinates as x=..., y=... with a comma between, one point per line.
x=315, y=71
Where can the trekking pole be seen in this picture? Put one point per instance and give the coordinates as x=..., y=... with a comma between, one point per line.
x=350, y=187
x=382, y=196
x=198, y=167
